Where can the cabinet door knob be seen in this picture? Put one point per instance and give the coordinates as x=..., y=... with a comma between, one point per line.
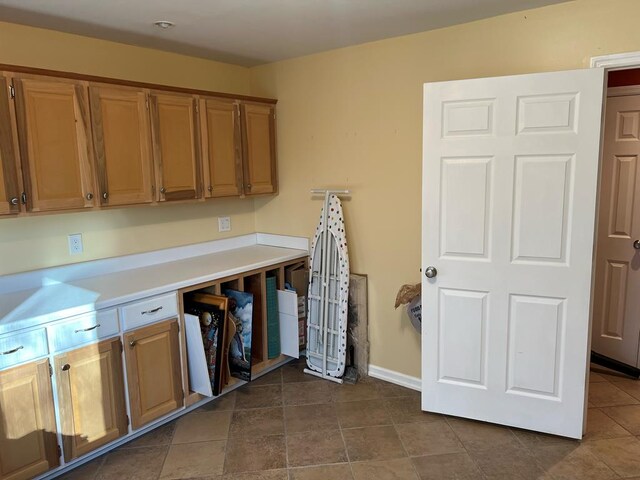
x=14, y=201
x=636, y=244
x=89, y=196
x=24, y=198
x=132, y=343
x=105, y=195
x=249, y=186
x=66, y=367
x=210, y=188
x=162, y=190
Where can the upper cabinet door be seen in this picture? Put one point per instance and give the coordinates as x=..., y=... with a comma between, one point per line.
x=9, y=188
x=259, y=148
x=175, y=146
x=53, y=129
x=122, y=145
x=221, y=148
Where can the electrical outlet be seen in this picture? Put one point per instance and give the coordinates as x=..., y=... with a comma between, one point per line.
x=75, y=244
x=224, y=224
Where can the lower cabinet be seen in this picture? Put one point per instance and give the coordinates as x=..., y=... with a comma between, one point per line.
x=28, y=443
x=90, y=388
x=152, y=357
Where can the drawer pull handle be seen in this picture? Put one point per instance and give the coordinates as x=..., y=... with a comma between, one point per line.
x=152, y=311
x=9, y=352
x=66, y=367
x=87, y=329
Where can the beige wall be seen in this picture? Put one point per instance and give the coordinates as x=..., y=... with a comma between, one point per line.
x=36, y=242
x=353, y=117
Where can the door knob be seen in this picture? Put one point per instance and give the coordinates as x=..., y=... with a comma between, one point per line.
x=14, y=201
x=636, y=244
x=66, y=367
x=89, y=196
x=132, y=343
x=431, y=272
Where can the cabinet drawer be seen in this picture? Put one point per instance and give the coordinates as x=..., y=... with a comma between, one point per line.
x=148, y=311
x=83, y=329
x=22, y=347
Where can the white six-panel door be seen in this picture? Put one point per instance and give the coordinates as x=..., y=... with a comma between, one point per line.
x=510, y=173
x=616, y=313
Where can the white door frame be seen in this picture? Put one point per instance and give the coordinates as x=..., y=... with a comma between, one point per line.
x=611, y=62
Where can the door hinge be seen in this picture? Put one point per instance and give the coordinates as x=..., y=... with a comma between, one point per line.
x=128, y=421
x=121, y=347
x=12, y=90
x=51, y=375
x=23, y=197
x=59, y=450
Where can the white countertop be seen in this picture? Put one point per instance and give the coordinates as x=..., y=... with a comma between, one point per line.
x=50, y=302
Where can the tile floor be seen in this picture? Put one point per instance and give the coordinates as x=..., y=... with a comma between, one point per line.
x=291, y=426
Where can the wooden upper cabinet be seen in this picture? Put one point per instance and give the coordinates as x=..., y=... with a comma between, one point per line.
x=9, y=188
x=28, y=441
x=259, y=148
x=90, y=387
x=152, y=356
x=175, y=146
x=122, y=144
x=221, y=148
x=54, y=134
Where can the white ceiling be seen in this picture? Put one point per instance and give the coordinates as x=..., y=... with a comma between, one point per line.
x=252, y=32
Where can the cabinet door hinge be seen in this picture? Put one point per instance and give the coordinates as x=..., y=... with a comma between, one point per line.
x=23, y=197
x=128, y=421
x=51, y=375
x=59, y=450
x=12, y=90
x=121, y=347
x=146, y=102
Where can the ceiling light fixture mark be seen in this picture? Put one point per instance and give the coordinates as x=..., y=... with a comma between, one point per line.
x=164, y=24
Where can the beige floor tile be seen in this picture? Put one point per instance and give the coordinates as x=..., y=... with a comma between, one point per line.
x=87, y=471
x=595, y=377
x=535, y=439
x=315, y=448
x=294, y=373
x=259, y=397
x=363, y=390
x=434, y=438
x=398, y=469
x=363, y=413
x=453, y=466
x=628, y=385
x=159, y=436
x=308, y=393
x=257, y=422
x=600, y=425
x=144, y=463
x=606, y=394
x=607, y=374
x=628, y=416
x=387, y=390
x=373, y=443
x=408, y=410
x=266, y=475
x=305, y=418
x=202, y=427
x=572, y=462
x=508, y=461
x=272, y=378
x=324, y=472
x=193, y=460
x=220, y=403
x=248, y=454
x=620, y=454
x=478, y=436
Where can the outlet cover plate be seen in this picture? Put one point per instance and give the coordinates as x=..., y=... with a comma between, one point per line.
x=75, y=244
x=224, y=224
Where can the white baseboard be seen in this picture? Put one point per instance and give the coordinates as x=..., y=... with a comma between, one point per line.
x=414, y=383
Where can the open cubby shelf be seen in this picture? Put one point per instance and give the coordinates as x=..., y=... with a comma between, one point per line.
x=254, y=282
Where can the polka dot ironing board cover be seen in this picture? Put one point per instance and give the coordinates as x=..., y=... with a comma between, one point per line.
x=336, y=295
